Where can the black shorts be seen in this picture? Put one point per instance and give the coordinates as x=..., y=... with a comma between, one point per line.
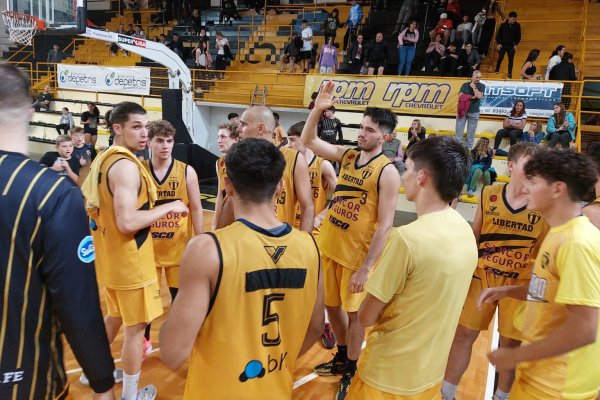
x=376, y=64
x=305, y=55
x=91, y=131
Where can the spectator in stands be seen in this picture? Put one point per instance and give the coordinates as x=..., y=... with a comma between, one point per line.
x=454, y=13
x=463, y=31
x=313, y=97
x=376, y=55
x=565, y=71
x=534, y=133
x=66, y=121
x=331, y=25
x=561, y=127
x=481, y=156
x=129, y=30
x=228, y=11
x=468, y=108
x=508, y=38
x=162, y=39
x=233, y=118
x=328, y=59
x=307, y=36
x=512, y=126
x=135, y=7
x=43, y=101
x=139, y=32
x=468, y=60
x=443, y=27
x=90, y=120
x=407, y=10
x=279, y=132
x=61, y=160
x=114, y=48
x=555, y=59
x=449, y=61
x=392, y=149
x=355, y=17
x=435, y=51
x=478, y=22
x=221, y=43
x=492, y=8
x=164, y=15
x=314, y=52
x=330, y=128
x=81, y=151
x=291, y=53
x=54, y=55
x=356, y=55
x=528, y=70
x=416, y=133
x=195, y=22
x=176, y=45
x=202, y=55
x=407, y=46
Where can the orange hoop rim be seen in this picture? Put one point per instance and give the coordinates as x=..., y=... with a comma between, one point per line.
x=39, y=23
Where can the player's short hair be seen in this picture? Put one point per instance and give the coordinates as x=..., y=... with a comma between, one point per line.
x=63, y=139
x=120, y=114
x=576, y=170
x=296, y=129
x=232, y=115
x=255, y=167
x=448, y=162
x=75, y=130
x=595, y=155
x=523, y=149
x=231, y=128
x=160, y=128
x=14, y=94
x=385, y=118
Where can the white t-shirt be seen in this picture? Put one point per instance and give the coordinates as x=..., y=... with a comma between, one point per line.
x=516, y=120
x=553, y=62
x=307, y=44
x=221, y=45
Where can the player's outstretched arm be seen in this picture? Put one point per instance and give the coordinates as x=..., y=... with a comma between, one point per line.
x=124, y=183
x=195, y=206
x=324, y=101
x=197, y=283
x=494, y=294
x=304, y=194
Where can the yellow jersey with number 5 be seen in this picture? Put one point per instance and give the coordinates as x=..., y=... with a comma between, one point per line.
x=265, y=294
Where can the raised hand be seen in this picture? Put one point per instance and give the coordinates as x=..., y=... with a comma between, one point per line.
x=325, y=98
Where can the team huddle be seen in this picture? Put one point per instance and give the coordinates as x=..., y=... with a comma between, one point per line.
x=292, y=240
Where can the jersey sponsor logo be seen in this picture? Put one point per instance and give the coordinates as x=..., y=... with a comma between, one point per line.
x=85, y=250
x=537, y=289
x=275, y=252
x=337, y=223
x=499, y=272
x=163, y=235
x=513, y=225
x=534, y=217
x=254, y=369
x=12, y=376
x=493, y=198
x=492, y=211
x=165, y=193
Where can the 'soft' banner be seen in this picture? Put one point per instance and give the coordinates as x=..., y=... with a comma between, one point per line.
x=94, y=78
x=539, y=97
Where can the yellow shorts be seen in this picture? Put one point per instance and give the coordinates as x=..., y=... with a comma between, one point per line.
x=134, y=306
x=479, y=320
x=361, y=391
x=172, y=275
x=336, y=279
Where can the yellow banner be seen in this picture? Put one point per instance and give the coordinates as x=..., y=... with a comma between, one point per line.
x=405, y=95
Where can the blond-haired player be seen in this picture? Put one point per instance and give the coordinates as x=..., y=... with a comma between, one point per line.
x=227, y=136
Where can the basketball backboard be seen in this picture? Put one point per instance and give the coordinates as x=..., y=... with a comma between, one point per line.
x=59, y=16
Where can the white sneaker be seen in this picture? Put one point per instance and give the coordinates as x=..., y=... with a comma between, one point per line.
x=147, y=393
x=117, y=374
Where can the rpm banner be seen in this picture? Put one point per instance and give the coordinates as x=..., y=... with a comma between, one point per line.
x=93, y=78
x=539, y=97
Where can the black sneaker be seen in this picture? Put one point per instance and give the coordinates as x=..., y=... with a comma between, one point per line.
x=344, y=386
x=330, y=368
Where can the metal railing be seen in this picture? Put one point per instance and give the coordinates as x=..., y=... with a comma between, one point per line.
x=255, y=31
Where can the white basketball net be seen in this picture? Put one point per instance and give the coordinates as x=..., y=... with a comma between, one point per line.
x=21, y=27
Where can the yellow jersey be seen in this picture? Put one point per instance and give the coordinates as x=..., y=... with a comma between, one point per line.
x=318, y=189
x=351, y=220
x=123, y=261
x=285, y=206
x=279, y=135
x=566, y=273
x=267, y=289
x=510, y=239
x=171, y=233
x=422, y=288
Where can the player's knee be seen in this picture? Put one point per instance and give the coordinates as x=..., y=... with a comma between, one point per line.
x=353, y=317
x=465, y=335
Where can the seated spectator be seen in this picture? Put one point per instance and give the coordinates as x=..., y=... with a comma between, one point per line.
x=195, y=22
x=291, y=53
x=443, y=27
x=61, y=160
x=162, y=39
x=513, y=125
x=328, y=60
x=376, y=55
x=482, y=166
x=176, y=45
x=555, y=59
x=356, y=55
x=468, y=60
x=528, y=69
x=164, y=15
x=66, y=121
x=202, y=56
x=228, y=11
x=330, y=128
x=565, y=71
x=139, y=32
x=407, y=45
x=130, y=31
x=463, y=31
x=81, y=151
x=114, y=48
x=533, y=134
x=449, y=62
x=435, y=51
x=392, y=149
x=561, y=127
x=478, y=22
x=43, y=100
x=415, y=133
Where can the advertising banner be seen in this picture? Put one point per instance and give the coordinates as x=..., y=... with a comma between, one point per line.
x=93, y=78
x=434, y=96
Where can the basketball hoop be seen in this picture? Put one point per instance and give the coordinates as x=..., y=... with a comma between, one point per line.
x=22, y=27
